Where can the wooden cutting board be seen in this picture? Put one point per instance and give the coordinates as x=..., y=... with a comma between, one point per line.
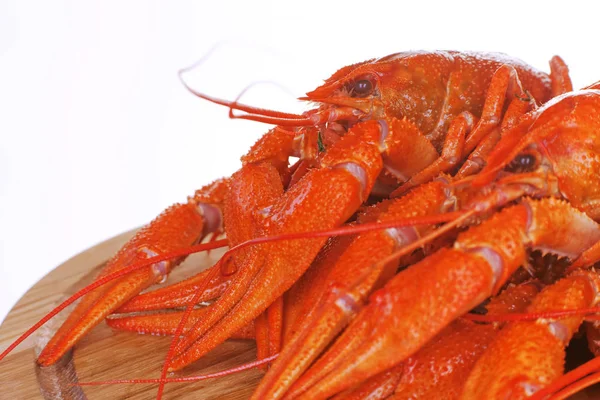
x=108, y=354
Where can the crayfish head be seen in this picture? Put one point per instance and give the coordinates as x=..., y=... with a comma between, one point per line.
x=561, y=144
x=409, y=85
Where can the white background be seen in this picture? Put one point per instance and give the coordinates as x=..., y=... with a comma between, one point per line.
x=97, y=135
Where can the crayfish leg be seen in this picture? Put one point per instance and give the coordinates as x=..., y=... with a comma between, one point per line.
x=588, y=258
x=516, y=111
x=452, y=153
x=559, y=74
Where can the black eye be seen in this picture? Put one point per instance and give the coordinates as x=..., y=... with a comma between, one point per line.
x=362, y=88
x=522, y=163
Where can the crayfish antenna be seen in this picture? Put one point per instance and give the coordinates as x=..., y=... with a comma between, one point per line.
x=595, y=85
x=456, y=217
x=572, y=382
x=231, y=371
x=576, y=387
x=508, y=147
x=213, y=245
x=213, y=272
x=532, y=316
x=203, y=247
x=450, y=217
x=453, y=217
x=461, y=217
x=253, y=113
x=106, y=279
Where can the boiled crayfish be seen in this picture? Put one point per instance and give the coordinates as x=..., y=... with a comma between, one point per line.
x=523, y=154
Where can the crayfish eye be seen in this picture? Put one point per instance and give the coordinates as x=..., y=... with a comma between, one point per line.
x=524, y=162
x=362, y=88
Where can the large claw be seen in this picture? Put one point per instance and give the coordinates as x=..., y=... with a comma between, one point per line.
x=528, y=355
x=351, y=166
x=350, y=281
x=441, y=368
x=252, y=189
x=180, y=226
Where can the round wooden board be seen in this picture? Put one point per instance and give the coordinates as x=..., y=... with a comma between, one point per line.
x=108, y=354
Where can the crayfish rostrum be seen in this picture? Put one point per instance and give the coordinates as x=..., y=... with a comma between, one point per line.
x=424, y=181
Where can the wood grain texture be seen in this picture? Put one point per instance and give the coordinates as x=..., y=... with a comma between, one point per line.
x=108, y=354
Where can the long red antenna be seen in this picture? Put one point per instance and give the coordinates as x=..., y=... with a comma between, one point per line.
x=461, y=216
x=221, y=243
x=571, y=377
x=254, y=113
x=108, y=278
x=576, y=387
x=175, y=340
x=456, y=217
x=219, y=374
x=531, y=316
x=432, y=219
